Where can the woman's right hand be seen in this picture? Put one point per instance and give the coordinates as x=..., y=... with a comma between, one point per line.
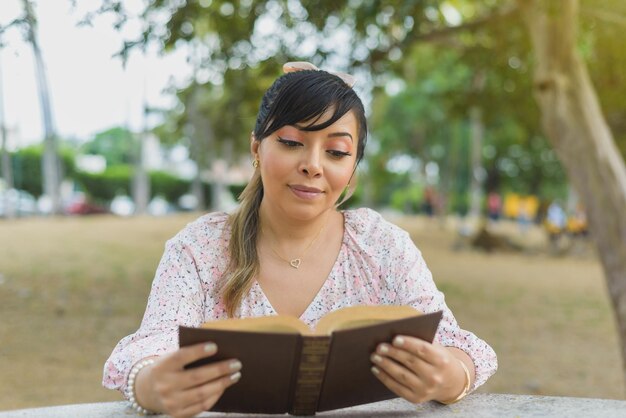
x=167, y=387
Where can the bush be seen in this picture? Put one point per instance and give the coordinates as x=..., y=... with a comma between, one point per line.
x=168, y=186
x=117, y=180
x=236, y=190
x=103, y=187
x=26, y=165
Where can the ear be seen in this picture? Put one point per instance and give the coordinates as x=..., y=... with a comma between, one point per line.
x=254, y=145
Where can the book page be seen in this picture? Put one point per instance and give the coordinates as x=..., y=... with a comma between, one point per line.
x=275, y=323
x=359, y=316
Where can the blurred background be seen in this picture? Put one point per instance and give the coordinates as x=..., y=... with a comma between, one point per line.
x=121, y=121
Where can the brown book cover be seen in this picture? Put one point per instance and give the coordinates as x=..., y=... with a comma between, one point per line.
x=288, y=368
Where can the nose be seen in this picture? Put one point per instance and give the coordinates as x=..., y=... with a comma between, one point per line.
x=311, y=164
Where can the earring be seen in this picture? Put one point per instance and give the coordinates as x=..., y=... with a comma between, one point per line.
x=255, y=163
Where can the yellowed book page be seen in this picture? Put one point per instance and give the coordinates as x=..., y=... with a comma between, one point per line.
x=358, y=316
x=276, y=323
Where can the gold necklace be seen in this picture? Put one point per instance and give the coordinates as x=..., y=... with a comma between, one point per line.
x=295, y=262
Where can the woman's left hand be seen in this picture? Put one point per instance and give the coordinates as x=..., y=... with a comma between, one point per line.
x=418, y=371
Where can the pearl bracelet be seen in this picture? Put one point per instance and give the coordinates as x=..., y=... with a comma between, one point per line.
x=130, y=387
x=466, y=388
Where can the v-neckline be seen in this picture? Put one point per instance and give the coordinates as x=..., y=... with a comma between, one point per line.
x=323, y=286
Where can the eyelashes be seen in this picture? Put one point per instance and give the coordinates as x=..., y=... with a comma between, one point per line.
x=289, y=143
x=338, y=154
x=294, y=144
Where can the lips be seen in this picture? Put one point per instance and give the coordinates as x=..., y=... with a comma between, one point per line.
x=305, y=189
x=305, y=192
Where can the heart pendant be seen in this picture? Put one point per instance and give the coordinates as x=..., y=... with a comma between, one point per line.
x=295, y=263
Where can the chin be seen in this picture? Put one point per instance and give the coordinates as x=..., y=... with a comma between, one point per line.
x=305, y=212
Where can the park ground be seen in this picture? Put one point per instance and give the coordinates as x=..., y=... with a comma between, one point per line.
x=71, y=288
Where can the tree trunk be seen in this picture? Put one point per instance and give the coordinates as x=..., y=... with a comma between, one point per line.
x=201, y=140
x=448, y=176
x=141, y=180
x=578, y=131
x=5, y=161
x=476, y=163
x=50, y=161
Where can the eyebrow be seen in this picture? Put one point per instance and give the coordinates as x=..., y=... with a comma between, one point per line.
x=331, y=135
x=335, y=134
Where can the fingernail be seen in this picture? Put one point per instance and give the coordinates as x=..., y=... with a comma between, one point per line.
x=376, y=358
x=375, y=370
x=398, y=341
x=383, y=348
x=235, y=365
x=235, y=376
x=210, y=348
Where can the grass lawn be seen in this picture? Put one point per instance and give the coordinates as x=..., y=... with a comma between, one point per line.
x=71, y=288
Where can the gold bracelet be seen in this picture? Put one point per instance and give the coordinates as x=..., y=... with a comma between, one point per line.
x=466, y=388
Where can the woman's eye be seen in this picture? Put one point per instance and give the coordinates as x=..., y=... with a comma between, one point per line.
x=289, y=143
x=339, y=154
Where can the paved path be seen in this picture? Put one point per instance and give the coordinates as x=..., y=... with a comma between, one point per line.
x=476, y=405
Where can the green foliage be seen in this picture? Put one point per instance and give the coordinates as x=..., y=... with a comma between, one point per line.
x=603, y=46
x=215, y=122
x=448, y=57
x=235, y=189
x=117, y=180
x=117, y=145
x=429, y=117
x=103, y=187
x=407, y=197
x=26, y=164
x=168, y=186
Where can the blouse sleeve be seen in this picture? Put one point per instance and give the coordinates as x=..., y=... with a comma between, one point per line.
x=175, y=299
x=418, y=289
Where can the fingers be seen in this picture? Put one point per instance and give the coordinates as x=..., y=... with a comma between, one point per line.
x=186, y=392
x=407, y=347
x=398, y=372
x=187, y=355
x=398, y=388
x=203, y=374
x=413, y=368
x=428, y=361
x=409, y=360
x=203, y=397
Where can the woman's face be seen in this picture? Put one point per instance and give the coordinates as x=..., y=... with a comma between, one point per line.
x=304, y=172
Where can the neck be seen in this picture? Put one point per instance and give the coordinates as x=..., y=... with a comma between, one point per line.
x=284, y=230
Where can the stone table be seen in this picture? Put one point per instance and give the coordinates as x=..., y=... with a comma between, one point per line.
x=476, y=405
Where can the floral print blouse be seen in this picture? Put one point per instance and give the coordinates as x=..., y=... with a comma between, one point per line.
x=378, y=264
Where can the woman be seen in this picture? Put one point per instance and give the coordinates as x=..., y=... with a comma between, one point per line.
x=288, y=250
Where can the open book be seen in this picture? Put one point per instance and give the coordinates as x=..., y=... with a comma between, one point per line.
x=287, y=368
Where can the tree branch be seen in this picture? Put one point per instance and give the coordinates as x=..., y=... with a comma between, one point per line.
x=444, y=34
x=502, y=13
x=609, y=17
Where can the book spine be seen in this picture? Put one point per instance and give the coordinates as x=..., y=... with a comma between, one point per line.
x=310, y=375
